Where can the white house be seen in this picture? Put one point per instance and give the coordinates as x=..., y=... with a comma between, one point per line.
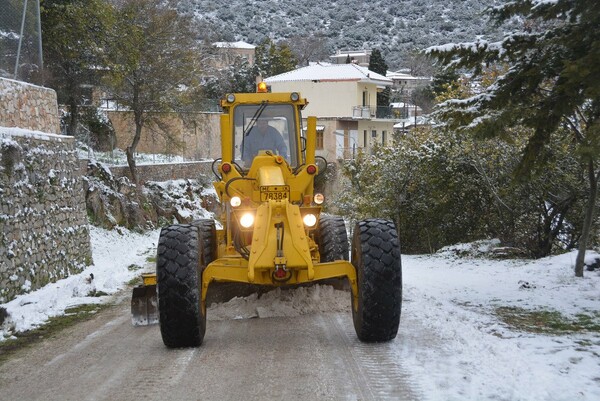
x=406, y=83
x=344, y=99
x=360, y=57
x=228, y=51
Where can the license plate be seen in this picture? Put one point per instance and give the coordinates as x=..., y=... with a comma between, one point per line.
x=274, y=192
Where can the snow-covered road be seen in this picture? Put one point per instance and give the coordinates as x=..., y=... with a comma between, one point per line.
x=314, y=356
x=300, y=344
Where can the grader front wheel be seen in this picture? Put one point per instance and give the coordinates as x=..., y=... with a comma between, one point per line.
x=182, y=320
x=376, y=258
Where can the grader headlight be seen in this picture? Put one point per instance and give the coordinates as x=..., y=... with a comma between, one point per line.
x=319, y=198
x=247, y=220
x=235, y=201
x=309, y=220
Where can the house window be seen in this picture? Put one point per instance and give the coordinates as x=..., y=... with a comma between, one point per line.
x=365, y=139
x=374, y=133
x=320, y=135
x=383, y=137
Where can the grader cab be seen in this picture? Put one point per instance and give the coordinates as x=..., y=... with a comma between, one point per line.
x=272, y=230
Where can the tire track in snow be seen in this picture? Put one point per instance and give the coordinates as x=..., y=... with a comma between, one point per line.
x=378, y=374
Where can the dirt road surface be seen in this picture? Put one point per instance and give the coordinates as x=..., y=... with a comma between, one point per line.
x=311, y=357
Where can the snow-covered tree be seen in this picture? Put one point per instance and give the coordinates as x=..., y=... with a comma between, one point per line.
x=239, y=77
x=551, y=83
x=155, y=63
x=311, y=47
x=274, y=58
x=446, y=187
x=75, y=40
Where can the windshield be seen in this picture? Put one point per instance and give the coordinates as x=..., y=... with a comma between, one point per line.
x=264, y=127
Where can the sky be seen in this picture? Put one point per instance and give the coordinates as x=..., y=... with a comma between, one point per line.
x=450, y=339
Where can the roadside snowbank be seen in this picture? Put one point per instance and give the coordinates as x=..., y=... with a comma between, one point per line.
x=469, y=354
x=117, y=255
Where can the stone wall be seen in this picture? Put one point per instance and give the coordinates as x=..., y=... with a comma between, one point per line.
x=167, y=171
x=196, y=136
x=43, y=223
x=44, y=233
x=28, y=106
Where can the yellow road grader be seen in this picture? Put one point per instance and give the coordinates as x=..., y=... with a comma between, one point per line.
x=273, y=230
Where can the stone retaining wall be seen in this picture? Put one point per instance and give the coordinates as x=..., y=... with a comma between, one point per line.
x=43, y=223
x=28, y=106
x=44, y=234
x=166, y=171
x=197, y=136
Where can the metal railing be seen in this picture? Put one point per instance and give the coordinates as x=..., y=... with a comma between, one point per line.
x=373, y=112
x=362, y=112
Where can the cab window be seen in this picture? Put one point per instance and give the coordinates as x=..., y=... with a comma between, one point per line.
x=264, y=126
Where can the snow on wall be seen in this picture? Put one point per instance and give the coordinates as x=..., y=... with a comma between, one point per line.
x=44, y=234
x=28, y=106
x=43, y=223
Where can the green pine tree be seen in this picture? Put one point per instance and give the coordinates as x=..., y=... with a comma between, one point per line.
x=377, y=64
x=552, y=65
x=273, y=59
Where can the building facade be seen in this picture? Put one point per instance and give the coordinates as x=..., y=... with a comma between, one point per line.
x=227, y=52
x=406, y=83
x=359, y=57
x=343, y=97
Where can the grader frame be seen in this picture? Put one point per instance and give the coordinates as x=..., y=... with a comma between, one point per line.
x=273, y=232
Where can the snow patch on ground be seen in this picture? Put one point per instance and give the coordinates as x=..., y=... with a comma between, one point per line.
x=471, y=354
x=118, y=157
x=7, y=132
x=117, y=257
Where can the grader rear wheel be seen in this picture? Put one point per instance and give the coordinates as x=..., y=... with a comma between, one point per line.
x=376, y=258
x=332, y=238
x=183, y=252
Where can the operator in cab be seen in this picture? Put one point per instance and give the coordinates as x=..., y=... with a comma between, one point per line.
x=262, y=137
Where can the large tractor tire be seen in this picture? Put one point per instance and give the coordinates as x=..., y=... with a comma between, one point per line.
x=207, y=234
x=376, y=258
x=183, y=252
x=332, y=239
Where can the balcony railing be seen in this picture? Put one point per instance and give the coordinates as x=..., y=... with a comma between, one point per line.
x=362, y=112
x=373, y=112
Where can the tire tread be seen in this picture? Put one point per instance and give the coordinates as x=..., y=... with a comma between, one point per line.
x=376, y=257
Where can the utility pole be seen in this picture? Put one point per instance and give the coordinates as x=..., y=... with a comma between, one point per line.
x=21, y=36
x=20, y=39
x=415, y=114
x=41, y=54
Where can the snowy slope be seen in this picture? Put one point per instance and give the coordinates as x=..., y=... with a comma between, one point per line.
x=396, y=28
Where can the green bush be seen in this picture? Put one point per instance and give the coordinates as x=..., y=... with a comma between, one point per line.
x=443, y=188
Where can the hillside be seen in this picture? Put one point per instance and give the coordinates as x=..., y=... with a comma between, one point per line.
x=396, y=28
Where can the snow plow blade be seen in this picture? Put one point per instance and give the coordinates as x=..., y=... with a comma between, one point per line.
x=144, y=303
